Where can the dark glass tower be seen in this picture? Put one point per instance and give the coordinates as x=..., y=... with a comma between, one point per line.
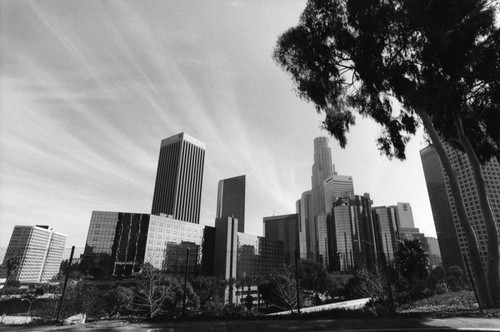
x=441, y=208
x=231, y=200
x=179, y=178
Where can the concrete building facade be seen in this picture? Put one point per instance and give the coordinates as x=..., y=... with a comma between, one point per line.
x=38, y=251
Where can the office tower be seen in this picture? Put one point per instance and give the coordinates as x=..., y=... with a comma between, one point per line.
x=355, y=241
x=321, y=170
x=336, y=186
x=179, y=178
x=231, y=200
x=386, y=232
x=434, y=252
x=405, y=215
x=322, y=236
x=284, y=228
x=38, y=250
x=307, y=227
x=226, y=244
x=451, y=238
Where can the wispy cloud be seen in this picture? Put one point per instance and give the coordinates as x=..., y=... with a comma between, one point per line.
x=89, y=89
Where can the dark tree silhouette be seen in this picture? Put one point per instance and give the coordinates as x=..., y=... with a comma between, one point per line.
x=413, y=265
x=404, y=61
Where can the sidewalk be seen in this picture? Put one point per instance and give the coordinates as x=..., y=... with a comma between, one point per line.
x=385, y=324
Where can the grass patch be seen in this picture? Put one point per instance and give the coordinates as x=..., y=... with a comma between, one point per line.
x=455, y=304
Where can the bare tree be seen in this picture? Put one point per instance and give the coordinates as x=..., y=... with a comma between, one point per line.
x=154, y=289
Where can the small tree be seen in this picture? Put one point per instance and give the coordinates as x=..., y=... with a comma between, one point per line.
x=210, y=291
x=153, y=290
x=454, y=278
x=12, y=264
x=413, y=265
x=118, y=300
x=280, y=289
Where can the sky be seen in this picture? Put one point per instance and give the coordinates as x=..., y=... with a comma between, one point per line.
x=90, y=88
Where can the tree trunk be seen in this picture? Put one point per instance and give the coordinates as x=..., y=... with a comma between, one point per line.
x=489, y=218
x=474, y=256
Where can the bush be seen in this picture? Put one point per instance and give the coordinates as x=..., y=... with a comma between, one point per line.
x=236, y=310
x=13, y=283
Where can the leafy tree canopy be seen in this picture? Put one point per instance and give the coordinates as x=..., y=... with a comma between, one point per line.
x=440, y=56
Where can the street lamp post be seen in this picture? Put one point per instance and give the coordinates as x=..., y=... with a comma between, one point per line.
x=29, y=308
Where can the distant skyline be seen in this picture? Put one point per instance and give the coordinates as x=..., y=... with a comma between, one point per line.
x=89, y=89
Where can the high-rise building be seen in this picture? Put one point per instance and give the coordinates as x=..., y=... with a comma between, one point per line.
x=284, y=228
x=307, y=227
x=405, y=215
x=441, y=208
x=434, y=252
x=226, y=244
x=387, y=231
x=38, y=250
x=231, y=200
x=322, y=236
x=179, y=178
x=337, y=186
x=451, y=237
x=321, y=170
x=355, y=235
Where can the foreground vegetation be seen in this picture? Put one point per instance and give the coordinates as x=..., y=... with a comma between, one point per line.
x=406, y=286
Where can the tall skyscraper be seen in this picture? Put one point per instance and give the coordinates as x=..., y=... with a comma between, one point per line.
x=387, y=231
x=307, y=227
x=231, y=200
x=284, y=228
x=451, y=238
x=321, y=170
x=337, y=186
x=38, y=250
x=179, y=178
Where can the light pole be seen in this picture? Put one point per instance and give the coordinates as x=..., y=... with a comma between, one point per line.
x=29, y=308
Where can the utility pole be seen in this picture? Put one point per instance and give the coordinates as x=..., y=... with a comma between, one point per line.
x=297, y=280
x=65, y=283
x=185, y=283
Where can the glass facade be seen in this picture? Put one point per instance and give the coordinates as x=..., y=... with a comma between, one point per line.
x=258, y=256
x=355, y=233
x=386, y=234
x=101, y=235
x=168, y=241
x=231, y=200
x=284, y=228
x=129, y=245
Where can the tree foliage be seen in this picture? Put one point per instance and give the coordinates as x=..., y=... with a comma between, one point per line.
x=400, y=61
x=280, y=289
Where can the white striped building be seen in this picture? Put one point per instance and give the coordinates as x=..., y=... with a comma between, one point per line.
x=38, y=251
